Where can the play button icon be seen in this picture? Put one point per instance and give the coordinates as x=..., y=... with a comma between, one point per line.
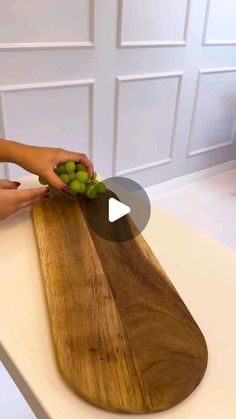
x=119, y=214
x=116, y=210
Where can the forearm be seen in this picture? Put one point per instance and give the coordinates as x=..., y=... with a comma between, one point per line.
x=12, y=151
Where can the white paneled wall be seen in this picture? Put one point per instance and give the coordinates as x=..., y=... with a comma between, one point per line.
x=220, y=28
x=144, y=22
x=214, y=115
x=59, y=114
x=147, y=88
x=46, y=23
x=146, y=110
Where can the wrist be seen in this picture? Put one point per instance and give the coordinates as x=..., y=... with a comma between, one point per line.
x=12, y=151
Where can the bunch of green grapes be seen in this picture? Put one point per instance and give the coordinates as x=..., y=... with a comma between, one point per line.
x=75, y=176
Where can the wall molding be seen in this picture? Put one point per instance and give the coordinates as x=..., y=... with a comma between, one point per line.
x=151, y=43
x=60, y=44
x=212, y=42
x=49, y=85
x=196, y=99
x=46, y=85
x=141, y=77
x=45, y=45
x=179, y=182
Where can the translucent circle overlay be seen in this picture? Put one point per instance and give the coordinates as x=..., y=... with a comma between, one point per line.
x=127, y=227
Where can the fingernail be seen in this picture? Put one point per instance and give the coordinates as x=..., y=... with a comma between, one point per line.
x=47, y=189
x=17, y=184
x=65, y=190
x=46, y=196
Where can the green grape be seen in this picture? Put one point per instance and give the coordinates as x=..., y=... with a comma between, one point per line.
x=82, y=176
x=64, y=178
x=76, y=187
x=101, y=187
x=70, y=166
x=81, y=166
x=82, y=188
x=42, y=180
x=60, y=168
x=71, y=175
x=91, y=192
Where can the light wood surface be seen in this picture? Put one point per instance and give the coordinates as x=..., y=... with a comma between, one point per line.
x=124, y=339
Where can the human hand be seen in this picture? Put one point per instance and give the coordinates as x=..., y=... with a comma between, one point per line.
x=12, y=199
x=42, y=161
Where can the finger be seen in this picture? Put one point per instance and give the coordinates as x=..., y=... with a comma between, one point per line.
x=8, y=184
x=25, y=195
x=56, y=182
x=88, y=164
x=78, y=157
x=25, y=204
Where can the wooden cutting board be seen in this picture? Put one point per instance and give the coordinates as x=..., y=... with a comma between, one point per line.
x=124, y=340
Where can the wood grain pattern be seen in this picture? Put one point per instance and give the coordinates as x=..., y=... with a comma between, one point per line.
x=124, y=340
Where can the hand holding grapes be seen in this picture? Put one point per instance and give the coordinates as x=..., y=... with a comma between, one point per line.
x=38, y=160
x=75, y=177
x=42, y=161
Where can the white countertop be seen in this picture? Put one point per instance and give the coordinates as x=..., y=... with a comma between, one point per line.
x=202, y=270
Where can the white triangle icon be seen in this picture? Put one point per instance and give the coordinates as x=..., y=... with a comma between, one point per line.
x=116, y=210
